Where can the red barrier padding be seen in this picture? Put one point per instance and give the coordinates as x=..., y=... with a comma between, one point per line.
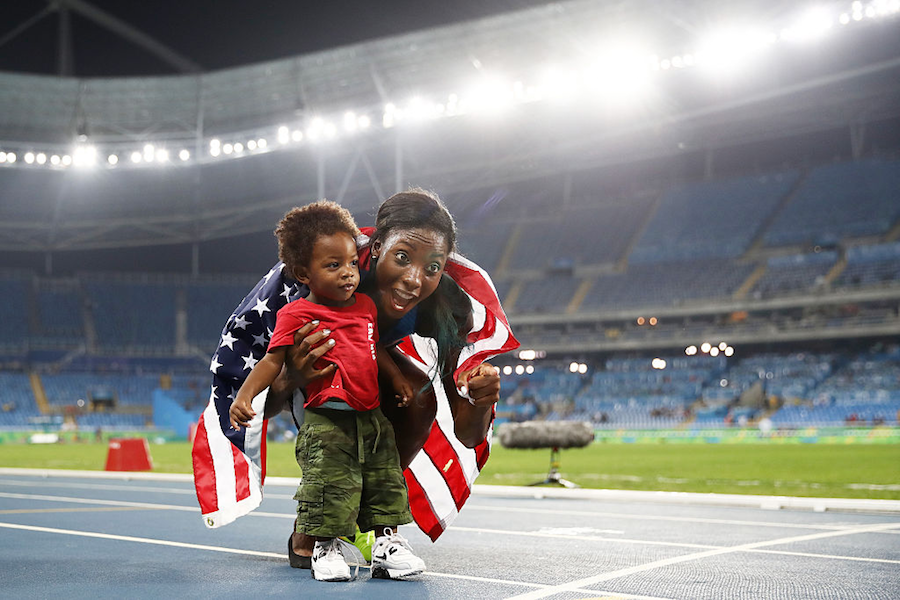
x=131, y=454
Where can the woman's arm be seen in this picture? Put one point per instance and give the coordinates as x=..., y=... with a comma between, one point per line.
x=299, y=370
x=472, y=418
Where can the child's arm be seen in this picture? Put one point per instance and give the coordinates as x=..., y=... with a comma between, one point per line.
x=261, y=377
x=387, y=366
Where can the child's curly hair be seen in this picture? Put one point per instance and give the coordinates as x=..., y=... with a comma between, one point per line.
x=298, y=231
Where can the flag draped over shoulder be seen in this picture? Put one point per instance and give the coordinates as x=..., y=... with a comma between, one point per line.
x=229, y=464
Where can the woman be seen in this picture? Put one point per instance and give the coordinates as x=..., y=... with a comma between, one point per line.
x=440, y=314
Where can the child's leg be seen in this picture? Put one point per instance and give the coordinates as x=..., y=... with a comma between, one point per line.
x=329, y=494
x=384, y=503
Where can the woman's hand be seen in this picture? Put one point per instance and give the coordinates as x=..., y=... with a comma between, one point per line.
x=299, y=366
x=302, y=356
x=482, y=384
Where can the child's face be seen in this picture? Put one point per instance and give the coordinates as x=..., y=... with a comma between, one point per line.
x=332, y=274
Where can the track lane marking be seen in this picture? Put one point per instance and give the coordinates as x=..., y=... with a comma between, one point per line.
x=568, y=587
x=145, y=505
x=280, y=556
x=469, y=506
x=28, y=511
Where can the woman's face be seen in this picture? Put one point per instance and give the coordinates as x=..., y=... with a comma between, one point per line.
x=409, y=268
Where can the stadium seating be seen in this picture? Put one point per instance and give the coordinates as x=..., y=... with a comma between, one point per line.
x=666, y=284
x=711, y=219
x=839, y=200
x=132, y=315
x=800, y=272
x=870, y=265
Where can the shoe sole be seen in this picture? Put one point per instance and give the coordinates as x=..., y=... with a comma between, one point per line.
x=385, y=573
x=338, y=578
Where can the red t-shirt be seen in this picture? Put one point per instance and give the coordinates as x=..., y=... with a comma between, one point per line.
x=354, y=330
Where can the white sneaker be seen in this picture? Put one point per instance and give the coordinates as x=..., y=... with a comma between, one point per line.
x=392, y=558
x=328, y=562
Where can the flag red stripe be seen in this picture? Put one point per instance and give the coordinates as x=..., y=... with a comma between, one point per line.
x=204, y=471
x=262, y=452
x=482, y=452
x=421, y=508
x=241, y=474
x=444, y=457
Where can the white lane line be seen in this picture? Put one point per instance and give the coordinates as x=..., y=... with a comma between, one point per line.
x=582, y=538
x=642, y=517
x=697, y=556
x=279, y=556
x=128, y=538
x=831, y=556
x=120, y=487
x=469, y=506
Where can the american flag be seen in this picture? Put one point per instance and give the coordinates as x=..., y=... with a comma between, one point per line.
x=229, y=465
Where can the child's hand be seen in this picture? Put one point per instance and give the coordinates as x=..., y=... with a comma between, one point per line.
x=240, y=412
x=404, y=391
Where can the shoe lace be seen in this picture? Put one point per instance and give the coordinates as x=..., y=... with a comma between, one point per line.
x=394, y=537
x=346, y=549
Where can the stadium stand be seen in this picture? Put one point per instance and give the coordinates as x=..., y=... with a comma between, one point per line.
x=870, y=265
x=798, y=272
x=711, y=219
x=844, y=199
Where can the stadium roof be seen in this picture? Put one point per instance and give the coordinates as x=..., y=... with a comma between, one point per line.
x=248, y=132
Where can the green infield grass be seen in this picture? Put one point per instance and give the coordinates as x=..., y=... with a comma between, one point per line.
x=818, y=470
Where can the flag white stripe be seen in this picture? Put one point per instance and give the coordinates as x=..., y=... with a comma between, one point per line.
x=436, y=490
x=223, y=464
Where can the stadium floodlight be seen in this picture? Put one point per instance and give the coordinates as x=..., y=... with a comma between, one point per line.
x=2, y=157
x=84, y=156
x=811, y=25
x=519, y=369
x=529, y=369
x=364, y=122
x=705, y=347
x=227, y=148
x=41, y=158
x=29, y=157
x=730, y=48
x=162, y=155
x=658, y=363
x=558, y=84
x=11, y=157
x=714, y=351
x=507, y=370
x=729, y=351
x=262, y=143
x=251, y=145
x=238, y=147
x=66, y=160
x=55, y=160
x=297, y=135
x=329, y=130
x=350, y=122
x=184, y=154
x=844, y=19
x=690, y=350
x=149, y=152
x=582, y=368
x=573, y=367
x=136, y=157
x=284, y=135
x=215, y=151
x=112, y=159
x=527, y=354
x=722, y=346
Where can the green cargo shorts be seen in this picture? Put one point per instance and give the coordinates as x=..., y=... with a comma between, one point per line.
x=351, y=473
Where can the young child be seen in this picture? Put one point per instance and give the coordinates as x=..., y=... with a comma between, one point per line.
x=346, y=447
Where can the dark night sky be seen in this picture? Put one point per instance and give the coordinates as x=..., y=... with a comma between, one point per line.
x=222, y=33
